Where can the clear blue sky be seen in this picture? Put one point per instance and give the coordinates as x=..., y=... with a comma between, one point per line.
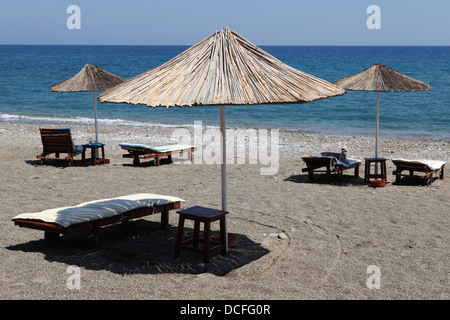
x=263, y=22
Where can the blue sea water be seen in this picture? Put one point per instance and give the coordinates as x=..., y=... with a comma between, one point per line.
x=26, y=72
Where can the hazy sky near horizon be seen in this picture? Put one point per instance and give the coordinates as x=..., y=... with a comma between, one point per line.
x=263, y=22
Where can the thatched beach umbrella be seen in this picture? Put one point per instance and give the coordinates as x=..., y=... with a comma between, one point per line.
x=380, y=78
x=223, y=69
x=90, y=78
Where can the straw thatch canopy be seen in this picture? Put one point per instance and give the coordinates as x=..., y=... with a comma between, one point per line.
x=90, y=78
x=381, y=78
x=223, y=69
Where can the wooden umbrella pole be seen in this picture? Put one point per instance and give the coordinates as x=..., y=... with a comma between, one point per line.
x=224, y=170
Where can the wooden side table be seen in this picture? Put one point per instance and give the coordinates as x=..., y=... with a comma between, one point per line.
x=94, y=159
x=367, y=170
x=207, y=216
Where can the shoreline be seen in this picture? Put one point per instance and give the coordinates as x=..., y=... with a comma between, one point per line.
x=332, y=232
x=125, y=123
x=291, y=143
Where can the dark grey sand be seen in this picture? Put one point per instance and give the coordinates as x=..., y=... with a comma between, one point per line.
x=297, y=240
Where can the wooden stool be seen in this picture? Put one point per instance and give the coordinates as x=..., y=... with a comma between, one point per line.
x=382, y=175
x=205, y=215
x=94, y=147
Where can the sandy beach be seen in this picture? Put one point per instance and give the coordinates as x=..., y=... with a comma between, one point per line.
x=297, y=240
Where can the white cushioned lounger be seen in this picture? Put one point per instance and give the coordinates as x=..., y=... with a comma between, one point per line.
x=94, y=214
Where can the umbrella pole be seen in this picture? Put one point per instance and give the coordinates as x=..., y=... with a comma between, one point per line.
x=378, y=122
x=95, y=120
x=95, y=115
x=377, y=129
x=224, y=170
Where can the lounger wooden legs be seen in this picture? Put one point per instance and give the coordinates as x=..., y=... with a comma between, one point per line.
x=165, y=219
x=328, y=171
x=52, y=238
x=428, y=176
x=142, y=153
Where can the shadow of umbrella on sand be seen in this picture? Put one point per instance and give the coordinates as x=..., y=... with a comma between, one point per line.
x=223, y=69
x=380, y=78
x=90, y=78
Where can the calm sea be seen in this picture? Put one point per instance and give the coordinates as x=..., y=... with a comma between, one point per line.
x=26, y=72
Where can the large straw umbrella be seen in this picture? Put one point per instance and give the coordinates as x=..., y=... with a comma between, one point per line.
x=90, y=78
x=380, y=78
x=223, y=69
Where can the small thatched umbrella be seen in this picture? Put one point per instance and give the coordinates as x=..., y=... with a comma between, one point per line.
x=90, y=78
x=380, y=78
x=223, y=69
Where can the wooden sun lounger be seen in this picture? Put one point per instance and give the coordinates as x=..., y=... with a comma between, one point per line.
x=328, y=165
x=53, y=229
x=58, y=141
x=138, y=151
x=428, y=167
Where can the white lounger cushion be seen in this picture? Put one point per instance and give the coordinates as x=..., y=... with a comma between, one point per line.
x=432, y=164
x=170, y=148
x=98, y=209
x=350, y=161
